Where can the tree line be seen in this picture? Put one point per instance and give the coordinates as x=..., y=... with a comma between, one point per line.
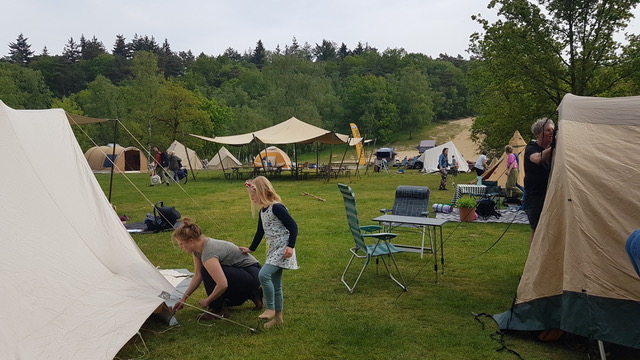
x=520, y=67
x=161, y=95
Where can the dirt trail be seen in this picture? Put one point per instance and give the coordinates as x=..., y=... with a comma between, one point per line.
x=458, y=131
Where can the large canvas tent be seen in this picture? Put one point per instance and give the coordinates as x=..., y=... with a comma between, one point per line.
x=292, y=131
x=126, y=159
x=190, y=159
x=223, y=160
x=498, y=168
x=430, y=157
x=75, y=285
x=578, y=277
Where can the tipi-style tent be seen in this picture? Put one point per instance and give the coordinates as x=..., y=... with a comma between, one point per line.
x=275, y=156
x=127, y=159
x=498, y=168
x=223, y=160
x=190, y=159
x=430, y=157
x=75, y=285
x=578, y=277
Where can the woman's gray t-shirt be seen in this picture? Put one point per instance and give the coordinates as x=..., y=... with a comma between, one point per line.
x=226, y=252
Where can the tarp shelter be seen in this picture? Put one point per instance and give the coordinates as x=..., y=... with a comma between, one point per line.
x=386, y=154
x=75, y=285
x=126, y=159
x=498, y=168
x=426, y=145
x=274, y=156
x=190, y=159
x=223, y=160
x=430, y=157
x=292, y=131
x=578, y=277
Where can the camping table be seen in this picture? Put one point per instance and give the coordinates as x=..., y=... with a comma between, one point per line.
x=426, y=225
x=473, y=190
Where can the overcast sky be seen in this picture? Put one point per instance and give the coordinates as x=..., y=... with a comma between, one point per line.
x=429, y=27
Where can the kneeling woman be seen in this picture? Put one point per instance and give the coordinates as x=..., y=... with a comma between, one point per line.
x=230, y=277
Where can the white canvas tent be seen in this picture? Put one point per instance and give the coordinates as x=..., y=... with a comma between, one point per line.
x=190, y=159
x=75, y=285
x=430, y=157
x=223, y=160
x=578, y=277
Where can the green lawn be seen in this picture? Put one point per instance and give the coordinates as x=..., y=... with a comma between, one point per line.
x=322, y=320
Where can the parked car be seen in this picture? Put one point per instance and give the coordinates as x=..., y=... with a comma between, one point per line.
x=414, y=163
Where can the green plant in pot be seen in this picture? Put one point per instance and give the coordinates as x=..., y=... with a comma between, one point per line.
x=467, y=209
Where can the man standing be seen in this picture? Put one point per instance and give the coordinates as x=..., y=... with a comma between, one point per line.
x=162, y=161
x=537, y=168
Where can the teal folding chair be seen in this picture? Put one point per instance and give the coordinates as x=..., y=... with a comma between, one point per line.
x=379, y=246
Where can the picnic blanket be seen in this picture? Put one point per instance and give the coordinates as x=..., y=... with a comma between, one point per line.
x=507, y=216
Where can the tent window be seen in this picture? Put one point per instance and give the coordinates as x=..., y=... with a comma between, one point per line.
x=109, y=160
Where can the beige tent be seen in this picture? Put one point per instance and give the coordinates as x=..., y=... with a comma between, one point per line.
x=292, y=131
x=274, y=156
x=498, y=168
x=75, y=285
x=126, y=159
x=223, y=160
x=578, y=277
x=190, y=159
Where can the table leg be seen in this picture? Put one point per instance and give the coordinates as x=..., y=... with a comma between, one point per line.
x=441, y=249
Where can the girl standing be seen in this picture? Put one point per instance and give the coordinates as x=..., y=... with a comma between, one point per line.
x=281, y=231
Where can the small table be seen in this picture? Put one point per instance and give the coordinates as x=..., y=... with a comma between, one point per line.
x=426, y=225
x=473, y=190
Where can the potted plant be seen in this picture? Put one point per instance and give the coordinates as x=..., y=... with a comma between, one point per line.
x=466, y=209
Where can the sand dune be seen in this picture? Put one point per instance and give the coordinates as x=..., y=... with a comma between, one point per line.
x=462, y=139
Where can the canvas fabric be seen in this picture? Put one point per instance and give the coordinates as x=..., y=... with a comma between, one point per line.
x=76, y=285
x=578, y=277
x=430, y=157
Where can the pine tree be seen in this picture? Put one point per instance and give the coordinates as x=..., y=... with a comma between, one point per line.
x=259, y=55
x=343, y=52
x=120, y=48
x=20, y=51
x=45, y=51
x=91, y=49
x=71, y=51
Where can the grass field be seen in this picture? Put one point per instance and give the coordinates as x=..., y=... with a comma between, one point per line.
x=322, y=320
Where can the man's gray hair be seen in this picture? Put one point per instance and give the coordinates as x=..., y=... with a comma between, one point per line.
x=537, y=126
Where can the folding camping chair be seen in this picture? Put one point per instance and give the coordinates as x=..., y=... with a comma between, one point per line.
x=409, y=201
x=380, y=247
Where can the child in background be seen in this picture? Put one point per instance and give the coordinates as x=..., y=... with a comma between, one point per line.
x=280, y=230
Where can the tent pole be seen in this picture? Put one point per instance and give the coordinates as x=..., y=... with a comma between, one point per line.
x=370, y=156
x=317, y=157
x=113, y=156
x=295, y=157
x=220, y=160
x=186, y=151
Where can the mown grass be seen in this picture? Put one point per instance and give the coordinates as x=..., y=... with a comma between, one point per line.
x=323, y=321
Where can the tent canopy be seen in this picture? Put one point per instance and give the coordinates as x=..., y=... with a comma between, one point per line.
x=578, y=277
x=190, y=159
x=430, y=157
x=498, y=168
x=223, y=160
x=273, y=156
x=292, y=131
x=126, y=159
x=78, y=287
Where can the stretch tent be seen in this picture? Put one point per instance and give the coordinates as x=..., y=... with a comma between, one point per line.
x=430, y=157
x=292, y=131
x=578, y=277
x=75, y=285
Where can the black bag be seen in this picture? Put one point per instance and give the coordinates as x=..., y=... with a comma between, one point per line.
x=486, y=208
x=164, y=159
x=182, y=173
x=164, y=217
